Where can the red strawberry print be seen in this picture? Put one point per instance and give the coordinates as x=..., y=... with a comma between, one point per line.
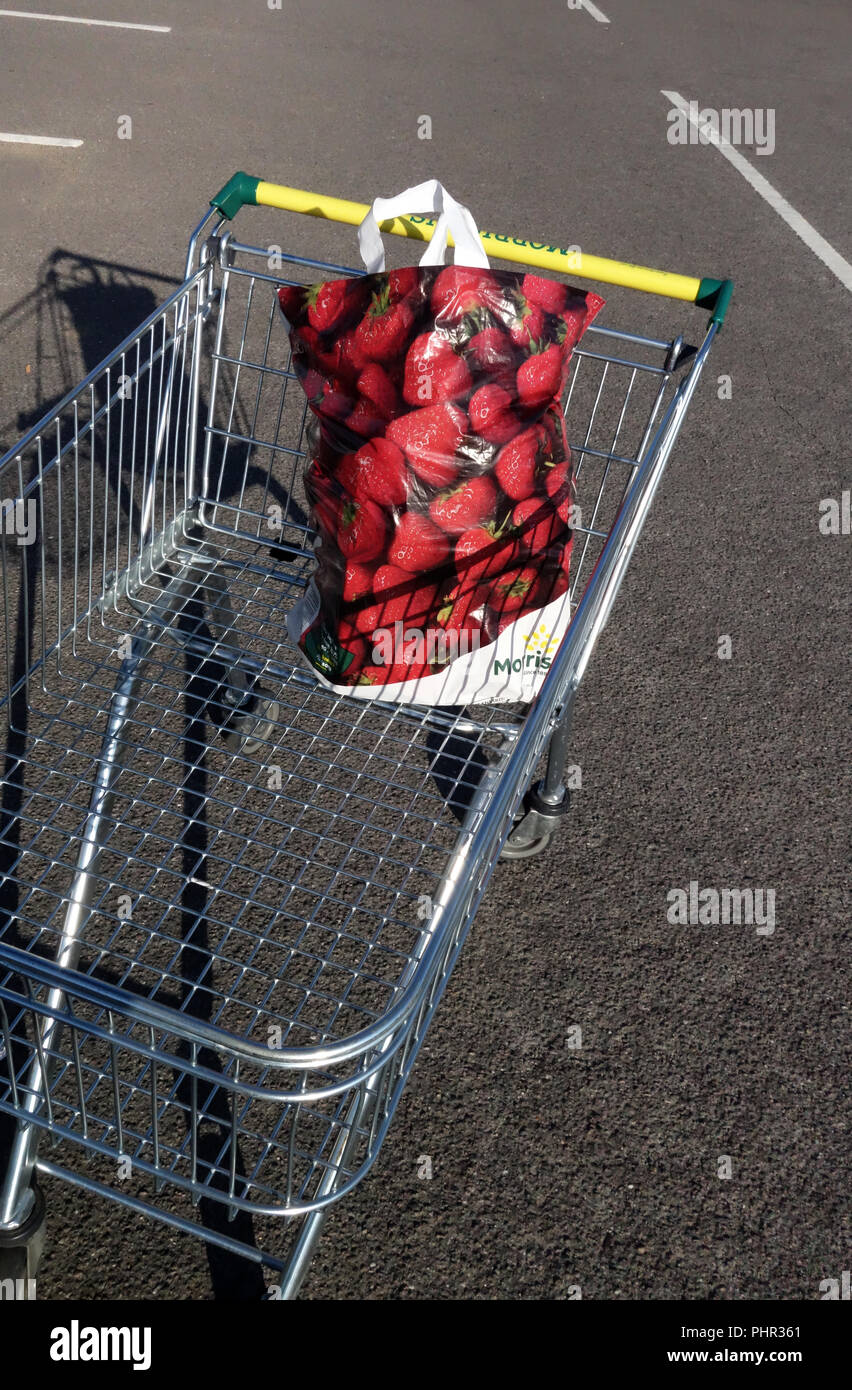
x=316, y=475
x=384, y=330
x=362, y=531
x=365, y=420
x=308, y=351
x=376, y=387
x=347, y=631
x=491, y=352
x=460, y=600
x=578, y=314
x=418, y=544
x=326, y=515
x=483, y=552
x=559, y=485
x=314, y=385
x=496, y=625
x=552, y=585
x=352, y=645
x=327, y=304
x=459, y=289
x=518, y=462
x=565, y=559
x=429, y=439
x=574, y=320
x=337, y=404
x=467, y=504
x=528, y=325
x=378, y=471
x=392, y=675
x=434, y=371
x=470, y=627
x=491, y=414
x=348, y=357
x=399, y=597
x=402, y=283
x=357, y=581
x=325, y=503
x=548, y=295
x=468, y=632
x=332, y=401
x=399, y=586
x=346, y=474
x=512, y=589
x=337, y=357
x=292, y=301
x=537, y=524
x=540, y=378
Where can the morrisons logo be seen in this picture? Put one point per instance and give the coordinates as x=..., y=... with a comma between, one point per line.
x=522, y=663
x=540, y=645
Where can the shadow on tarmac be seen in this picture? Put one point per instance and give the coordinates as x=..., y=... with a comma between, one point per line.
x=79, y=310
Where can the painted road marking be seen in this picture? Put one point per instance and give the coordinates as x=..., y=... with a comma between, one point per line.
x=803, y=229
x=589, y=8
x=594, y=11
x=38, y=140
x=72, y=19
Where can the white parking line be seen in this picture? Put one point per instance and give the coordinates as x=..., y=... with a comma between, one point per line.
x=809, y=235
x=38, y=140
x=593, y=11
x=72, y=19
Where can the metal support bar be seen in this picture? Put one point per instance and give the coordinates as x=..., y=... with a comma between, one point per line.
x=312, y=1227
x=16, y=1196
x=552, y=790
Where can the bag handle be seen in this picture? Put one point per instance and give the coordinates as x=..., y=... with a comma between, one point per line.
x=430, y=196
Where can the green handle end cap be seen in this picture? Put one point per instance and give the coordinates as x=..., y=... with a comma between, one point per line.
x=716, y=296
x=237, y=192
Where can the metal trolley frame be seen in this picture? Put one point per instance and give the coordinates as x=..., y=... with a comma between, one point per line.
x=230, y=899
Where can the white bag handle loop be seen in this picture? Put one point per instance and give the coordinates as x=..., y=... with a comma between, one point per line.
x=425, y=197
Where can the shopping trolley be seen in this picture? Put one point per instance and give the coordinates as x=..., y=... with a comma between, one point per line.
x=231, y=899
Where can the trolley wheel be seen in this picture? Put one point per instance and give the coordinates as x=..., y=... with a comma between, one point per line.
x=536, y=825
x=253, y=723
x=529, y=850
x=21, y=1249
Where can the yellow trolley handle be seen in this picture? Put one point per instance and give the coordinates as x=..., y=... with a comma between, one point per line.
x=707, y=293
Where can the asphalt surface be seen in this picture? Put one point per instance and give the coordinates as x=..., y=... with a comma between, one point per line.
x=554, y=1167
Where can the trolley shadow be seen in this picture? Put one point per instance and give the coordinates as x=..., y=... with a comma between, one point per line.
x=79, y=309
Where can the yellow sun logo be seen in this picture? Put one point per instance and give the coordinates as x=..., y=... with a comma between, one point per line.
x=541, y=641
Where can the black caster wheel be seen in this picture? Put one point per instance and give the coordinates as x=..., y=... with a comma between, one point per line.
x=536, y=825
x=21, y=1249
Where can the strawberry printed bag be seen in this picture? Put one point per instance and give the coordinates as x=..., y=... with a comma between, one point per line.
x=441, y=483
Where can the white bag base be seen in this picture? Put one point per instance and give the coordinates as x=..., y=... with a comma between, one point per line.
x=510, y=669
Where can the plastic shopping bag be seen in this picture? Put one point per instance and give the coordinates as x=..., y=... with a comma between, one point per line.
x=441, y=485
